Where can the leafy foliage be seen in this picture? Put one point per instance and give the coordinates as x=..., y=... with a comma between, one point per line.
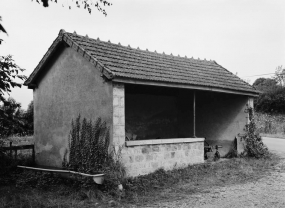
x=88, y=145
x=89, y=151
x=271, y=102
x=29, y=119
x=280, y=76
x=2, y=29
x=11, y=121
x=9, y=73
x=254, y=147
x=14, y=120
x=86, y=4
x=265, y=84
x=272, y=98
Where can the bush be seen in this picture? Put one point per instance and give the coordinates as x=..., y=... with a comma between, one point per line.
x=254, y=147
x=271, y=101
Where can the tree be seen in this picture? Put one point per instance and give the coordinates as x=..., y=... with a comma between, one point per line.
x=29, y=119
x=272, y=98
x=2, y=29
x=86, y=4
x=280, y=76
x=9, y=74
x=265, y=84
x=12, y=122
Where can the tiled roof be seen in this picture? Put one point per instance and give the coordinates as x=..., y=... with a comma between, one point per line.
x=126, y=62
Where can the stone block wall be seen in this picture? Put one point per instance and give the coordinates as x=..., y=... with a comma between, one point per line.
x=118, y=115
x=144, y=159
x=146, y=156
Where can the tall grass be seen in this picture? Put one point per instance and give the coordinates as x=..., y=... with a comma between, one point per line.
x=270, y=124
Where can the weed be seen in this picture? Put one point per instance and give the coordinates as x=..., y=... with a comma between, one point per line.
x=89, y=152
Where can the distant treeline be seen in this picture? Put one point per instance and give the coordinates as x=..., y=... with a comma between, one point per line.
x=272, y=96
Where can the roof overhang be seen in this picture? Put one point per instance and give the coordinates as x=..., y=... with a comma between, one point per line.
x=183, y=86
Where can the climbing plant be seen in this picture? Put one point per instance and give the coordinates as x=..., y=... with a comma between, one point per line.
x=254, y=146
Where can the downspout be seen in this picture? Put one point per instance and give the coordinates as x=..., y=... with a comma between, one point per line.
x=194, y=113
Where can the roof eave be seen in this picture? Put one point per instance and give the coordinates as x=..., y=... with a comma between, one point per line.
x=184, y=86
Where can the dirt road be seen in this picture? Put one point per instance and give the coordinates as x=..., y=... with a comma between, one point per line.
x=266, y=192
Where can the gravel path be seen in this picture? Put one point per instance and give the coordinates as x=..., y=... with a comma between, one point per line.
x=268, y=191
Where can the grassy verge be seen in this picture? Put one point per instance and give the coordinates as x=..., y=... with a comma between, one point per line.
x=28, y=190
x=179, y=183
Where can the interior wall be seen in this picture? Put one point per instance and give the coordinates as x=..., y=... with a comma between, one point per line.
x=158, y=112
x=220, y=117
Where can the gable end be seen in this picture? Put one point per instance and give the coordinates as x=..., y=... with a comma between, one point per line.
x=30, y=82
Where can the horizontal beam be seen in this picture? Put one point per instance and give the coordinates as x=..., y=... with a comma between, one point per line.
x=180, y=85
x=31, y=146
x=163, y=141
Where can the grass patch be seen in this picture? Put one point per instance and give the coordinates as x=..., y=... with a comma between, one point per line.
x=46, y=190
x=175, y=184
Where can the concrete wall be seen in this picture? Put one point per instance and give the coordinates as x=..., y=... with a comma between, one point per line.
x=220, y=117
x=69, y=87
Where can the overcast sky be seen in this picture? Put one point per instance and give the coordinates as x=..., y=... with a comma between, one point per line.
x=246, y=37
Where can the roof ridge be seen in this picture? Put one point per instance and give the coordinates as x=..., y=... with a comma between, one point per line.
x=148, y=51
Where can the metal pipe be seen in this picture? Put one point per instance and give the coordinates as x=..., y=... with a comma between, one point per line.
x=61, y=171
x=194, y=113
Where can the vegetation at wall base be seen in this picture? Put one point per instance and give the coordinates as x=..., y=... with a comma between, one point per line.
x=90, y=152
x=37, y=189
x=254, y=147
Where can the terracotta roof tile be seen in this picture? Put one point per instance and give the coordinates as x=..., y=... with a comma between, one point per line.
x=127, y=62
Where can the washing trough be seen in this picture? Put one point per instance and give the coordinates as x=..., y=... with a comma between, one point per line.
x=97, y=178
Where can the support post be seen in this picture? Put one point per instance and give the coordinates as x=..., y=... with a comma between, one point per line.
x=11, y=149
x=33, y=153
x=194, y=113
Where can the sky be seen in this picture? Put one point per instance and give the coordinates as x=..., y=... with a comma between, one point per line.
x=247, y=37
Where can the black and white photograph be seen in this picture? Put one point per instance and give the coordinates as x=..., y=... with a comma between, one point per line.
x=142, y=103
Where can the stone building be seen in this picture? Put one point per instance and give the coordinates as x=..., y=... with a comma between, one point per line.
x=160, y=108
